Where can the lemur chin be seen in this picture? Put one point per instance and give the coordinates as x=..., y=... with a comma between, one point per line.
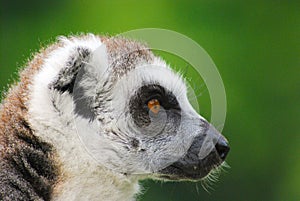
x=93, y=115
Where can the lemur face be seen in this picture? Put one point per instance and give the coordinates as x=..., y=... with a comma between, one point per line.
x=168, y=139
x=133, y=116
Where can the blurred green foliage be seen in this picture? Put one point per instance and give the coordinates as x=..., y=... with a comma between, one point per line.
x=255, y=45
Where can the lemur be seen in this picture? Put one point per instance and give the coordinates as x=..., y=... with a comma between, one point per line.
x=92, y=116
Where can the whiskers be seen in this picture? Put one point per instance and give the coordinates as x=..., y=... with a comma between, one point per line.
x=208, y=182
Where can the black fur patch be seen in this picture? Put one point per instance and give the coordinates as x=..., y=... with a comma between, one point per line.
x=138, y=103
x=27, y=171
x=83, y=104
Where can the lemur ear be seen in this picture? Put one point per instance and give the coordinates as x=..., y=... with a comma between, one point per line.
x=82, y=61
x=66, y=77
x=84, y=70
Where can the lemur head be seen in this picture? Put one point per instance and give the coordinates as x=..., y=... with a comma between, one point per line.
x=130, y=110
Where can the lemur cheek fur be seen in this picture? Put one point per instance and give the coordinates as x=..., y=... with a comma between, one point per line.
x=91, y=116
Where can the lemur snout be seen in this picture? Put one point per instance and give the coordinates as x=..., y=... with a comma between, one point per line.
x=222, y=148
x=206, y=152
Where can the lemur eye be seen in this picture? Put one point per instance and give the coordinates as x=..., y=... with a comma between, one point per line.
x=154, y=105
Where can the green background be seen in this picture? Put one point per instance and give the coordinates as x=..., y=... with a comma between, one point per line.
x=255, y=45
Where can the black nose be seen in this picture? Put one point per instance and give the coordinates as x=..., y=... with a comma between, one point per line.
x=222, y=148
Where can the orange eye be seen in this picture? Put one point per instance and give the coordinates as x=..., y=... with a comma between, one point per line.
x=154, y=106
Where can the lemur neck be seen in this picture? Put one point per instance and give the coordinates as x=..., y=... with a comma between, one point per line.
x=89, y=183
x=80, y=176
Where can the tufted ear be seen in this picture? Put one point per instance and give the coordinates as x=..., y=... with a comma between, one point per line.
x=83, y=71
x=96, y=63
